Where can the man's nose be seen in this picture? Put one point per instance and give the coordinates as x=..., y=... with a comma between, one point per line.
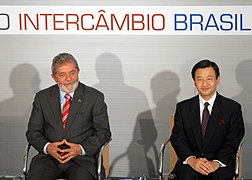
x=204, y=82
x=68, y=77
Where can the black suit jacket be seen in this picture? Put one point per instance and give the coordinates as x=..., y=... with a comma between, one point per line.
x=87, y=123
x=223, y=135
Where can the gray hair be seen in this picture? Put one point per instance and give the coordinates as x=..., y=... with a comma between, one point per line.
x=62, y=58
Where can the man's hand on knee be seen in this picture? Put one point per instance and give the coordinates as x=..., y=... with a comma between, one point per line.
x=199, y=165
x=214, y=165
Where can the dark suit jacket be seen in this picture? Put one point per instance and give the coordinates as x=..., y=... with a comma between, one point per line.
x=224, y=132
x=87, y=123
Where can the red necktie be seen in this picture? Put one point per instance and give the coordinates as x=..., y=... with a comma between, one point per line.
x=65, y=111
x=205, y=118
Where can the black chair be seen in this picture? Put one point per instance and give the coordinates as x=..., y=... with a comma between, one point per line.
x=102, y=161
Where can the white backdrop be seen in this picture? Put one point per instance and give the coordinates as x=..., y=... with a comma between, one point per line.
x=143, y=77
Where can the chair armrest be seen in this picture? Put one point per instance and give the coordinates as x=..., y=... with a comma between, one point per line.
x=25, y=159
x=100, y=159
x=161, y=159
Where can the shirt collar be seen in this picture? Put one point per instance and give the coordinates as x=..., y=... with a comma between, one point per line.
x=210, y=101
x=62, y=95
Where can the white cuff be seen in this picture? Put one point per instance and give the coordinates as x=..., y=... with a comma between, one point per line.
x=45, y=148
x=185, y=161
x=221, y=164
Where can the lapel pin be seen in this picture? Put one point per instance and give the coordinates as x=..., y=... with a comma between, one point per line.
x=79, y=100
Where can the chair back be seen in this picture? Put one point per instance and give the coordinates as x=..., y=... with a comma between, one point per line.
x=106, y=159
x=173, y=156
x=238, y=163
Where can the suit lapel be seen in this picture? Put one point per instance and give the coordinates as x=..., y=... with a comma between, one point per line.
x=215, y=116
x=54, y=101
x=76, y=103
x=195, y=123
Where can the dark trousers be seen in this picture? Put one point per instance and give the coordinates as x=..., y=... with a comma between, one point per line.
x=51, y=170
x=185, y=172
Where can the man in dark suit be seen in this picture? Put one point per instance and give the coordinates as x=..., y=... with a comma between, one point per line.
x=206, y=146
x=67, y=133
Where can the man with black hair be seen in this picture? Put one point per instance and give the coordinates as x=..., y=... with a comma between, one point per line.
x=208, y=129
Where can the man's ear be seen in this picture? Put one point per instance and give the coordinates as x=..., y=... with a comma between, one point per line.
x=54, y=78
x=218, y=80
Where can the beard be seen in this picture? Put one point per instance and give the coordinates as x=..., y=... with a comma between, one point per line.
x=67, y=90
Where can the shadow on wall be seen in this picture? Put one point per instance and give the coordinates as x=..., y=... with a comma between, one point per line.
x=137, y=136
x=243, y=76
x=124, y=104
x=14, y=114
x=152, y=126
x=165, y=88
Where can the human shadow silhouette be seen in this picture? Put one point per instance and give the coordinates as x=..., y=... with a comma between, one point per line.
x=124, y=104
x=14, y=114
x=165, y=88
x=154, y=123
x=243, y=77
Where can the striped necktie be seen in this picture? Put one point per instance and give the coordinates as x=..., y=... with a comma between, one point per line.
x=65, y=111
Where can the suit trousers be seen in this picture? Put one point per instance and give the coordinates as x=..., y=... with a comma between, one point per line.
x=51, y=170
x=185, y=172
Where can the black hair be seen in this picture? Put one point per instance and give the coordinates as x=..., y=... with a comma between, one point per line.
x=204, y=64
